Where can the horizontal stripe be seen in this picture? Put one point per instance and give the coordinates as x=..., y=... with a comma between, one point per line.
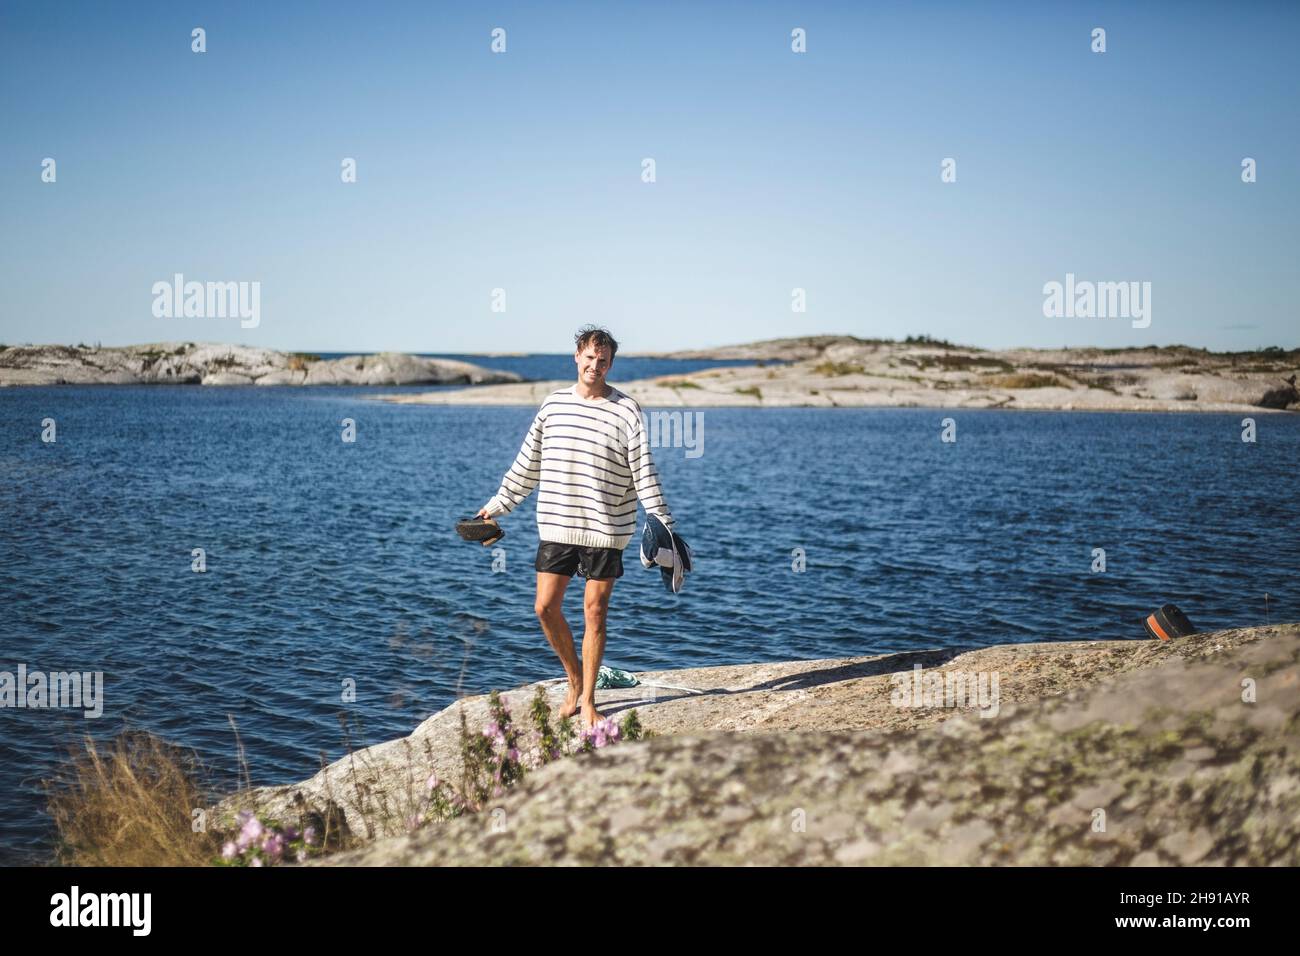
x=584, y=510
x=574, y=429
x=520, y=492
x=617, y=422
x=610, y=487
x=616, y=497
x=613, y=411
x=587, y=466
x=579, y=452
x=585, y=451
x=570, y=429
x=587, y=522
x=601, y=504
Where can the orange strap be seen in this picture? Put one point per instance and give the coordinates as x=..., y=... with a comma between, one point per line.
x=1155, y=626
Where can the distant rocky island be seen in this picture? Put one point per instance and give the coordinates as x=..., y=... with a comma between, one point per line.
x=829, y=371
x=189, y=363
x=834, y=371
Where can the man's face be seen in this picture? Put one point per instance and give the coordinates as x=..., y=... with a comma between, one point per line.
x=593, y=365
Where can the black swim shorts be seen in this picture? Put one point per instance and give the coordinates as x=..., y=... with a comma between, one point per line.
x=556, y=558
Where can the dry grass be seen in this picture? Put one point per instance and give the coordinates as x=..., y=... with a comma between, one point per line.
x=1112, y=383
x=130, y=805
x=831, y=369
x=1022, y=380
x=1276, y=369
x=143, y=801
x=948, y=362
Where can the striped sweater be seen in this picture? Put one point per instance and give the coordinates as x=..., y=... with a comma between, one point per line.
x=590, y=461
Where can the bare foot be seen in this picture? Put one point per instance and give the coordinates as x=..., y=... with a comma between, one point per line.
x=590, y=716
x=571, y=702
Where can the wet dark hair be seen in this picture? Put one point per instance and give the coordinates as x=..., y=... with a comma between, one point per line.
x=593, y=335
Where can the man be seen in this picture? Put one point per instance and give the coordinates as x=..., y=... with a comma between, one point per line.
x=589, y=456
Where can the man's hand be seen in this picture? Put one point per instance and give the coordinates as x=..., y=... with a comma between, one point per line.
x=482, y=513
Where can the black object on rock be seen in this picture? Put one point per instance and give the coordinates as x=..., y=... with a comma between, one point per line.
x=1167, y=623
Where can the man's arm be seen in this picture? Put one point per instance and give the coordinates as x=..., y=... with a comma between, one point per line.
x=645, y=477
x=525, y=471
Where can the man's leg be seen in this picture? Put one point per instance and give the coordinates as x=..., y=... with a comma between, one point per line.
x=550, y=611
x=595, y=602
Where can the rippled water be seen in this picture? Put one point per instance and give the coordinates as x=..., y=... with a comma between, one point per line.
x=328, y=561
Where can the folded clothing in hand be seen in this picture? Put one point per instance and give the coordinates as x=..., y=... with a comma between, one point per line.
x=666, y=550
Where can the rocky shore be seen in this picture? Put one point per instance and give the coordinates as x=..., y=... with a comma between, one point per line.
x=1113, y=752
x=188, y=363
x=834, y=371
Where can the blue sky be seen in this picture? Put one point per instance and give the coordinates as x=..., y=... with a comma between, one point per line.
x=774, y=171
